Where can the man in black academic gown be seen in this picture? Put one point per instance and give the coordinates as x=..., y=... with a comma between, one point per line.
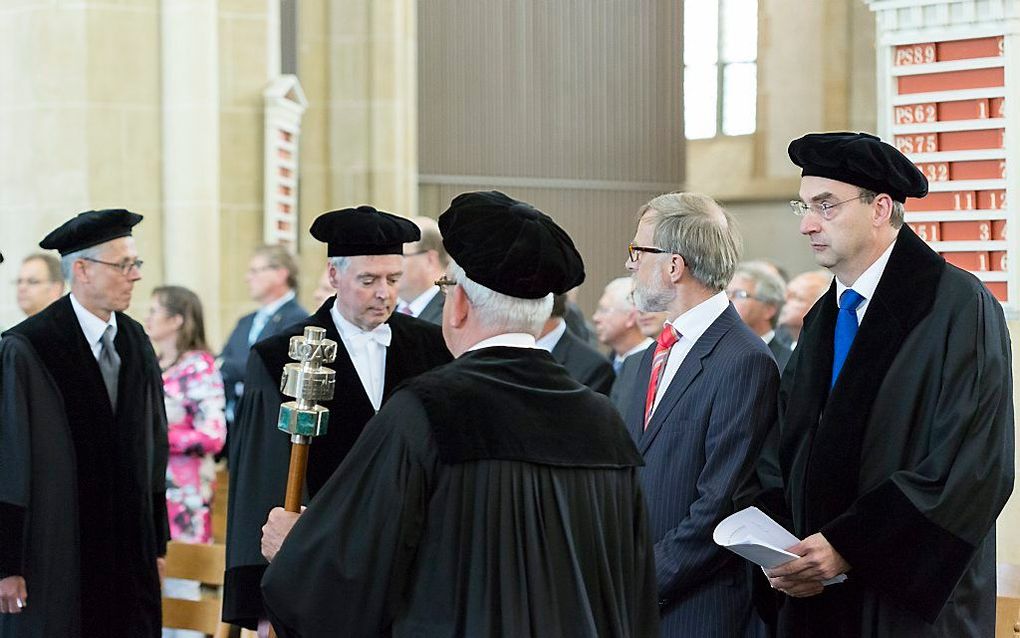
x=494, y=496
x=83, y=450
x=895, y=436
x=377, y=350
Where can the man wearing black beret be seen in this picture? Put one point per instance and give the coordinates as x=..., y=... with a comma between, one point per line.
x=895, y=436
x=494, y=496
x=377, y=350
x=83, y=450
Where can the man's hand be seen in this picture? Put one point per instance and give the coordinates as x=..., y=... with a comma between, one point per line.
x=161, y=569
x=13, y=595
x=803, y=576
x=275, y=531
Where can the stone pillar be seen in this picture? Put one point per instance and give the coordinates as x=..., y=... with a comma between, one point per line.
x=189, y=37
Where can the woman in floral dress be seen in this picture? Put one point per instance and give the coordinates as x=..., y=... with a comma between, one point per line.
x=194, y=410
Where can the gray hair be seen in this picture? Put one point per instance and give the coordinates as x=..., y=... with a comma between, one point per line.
x=496, y=310
x=697, y=228
x=895, y=218
x=340, y=263
x=768, y=287
x=67, y=261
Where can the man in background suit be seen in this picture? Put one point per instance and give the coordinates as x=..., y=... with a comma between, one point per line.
x=585, y=364
x=616, y=325
x=425, y=262
x=757, y=294
x=710, y=398
x=272, y=282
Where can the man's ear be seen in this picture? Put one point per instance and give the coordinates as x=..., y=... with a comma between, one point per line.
x=881, y=210
x=677, y=267
x=457, y=299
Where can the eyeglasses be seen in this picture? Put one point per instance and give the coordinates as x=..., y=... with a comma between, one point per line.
x=634, y=251
x=822, y=209
x=444, y=282
x=125, y=267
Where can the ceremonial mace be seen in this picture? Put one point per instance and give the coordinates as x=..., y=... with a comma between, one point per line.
x=309, y=382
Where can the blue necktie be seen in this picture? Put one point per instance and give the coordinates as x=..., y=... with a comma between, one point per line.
x=846, y=329
x=258, y=323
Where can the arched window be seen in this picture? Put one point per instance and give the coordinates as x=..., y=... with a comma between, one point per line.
x=720, y=67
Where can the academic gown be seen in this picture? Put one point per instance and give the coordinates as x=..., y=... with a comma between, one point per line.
x=260, y=453
x=906, y=463
x=494, y=496
x=82, y=489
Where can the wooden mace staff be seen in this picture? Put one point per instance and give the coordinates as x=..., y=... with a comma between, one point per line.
x=309, y=382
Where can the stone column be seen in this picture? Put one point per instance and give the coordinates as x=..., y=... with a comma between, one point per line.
x=191, y=150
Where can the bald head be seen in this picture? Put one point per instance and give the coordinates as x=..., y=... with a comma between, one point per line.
x=801, y=293
x=616, y=318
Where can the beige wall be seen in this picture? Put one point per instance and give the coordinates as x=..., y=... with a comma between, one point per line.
x=574, y=107
x=79, y=131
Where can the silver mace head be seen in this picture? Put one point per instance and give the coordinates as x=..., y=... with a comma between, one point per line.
x=308, y=381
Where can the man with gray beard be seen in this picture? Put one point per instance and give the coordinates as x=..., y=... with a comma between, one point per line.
x=708, y=396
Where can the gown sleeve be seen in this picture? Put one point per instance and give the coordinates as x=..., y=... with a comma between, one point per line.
x=343, y=568
x=15, y=455
x=259, y=457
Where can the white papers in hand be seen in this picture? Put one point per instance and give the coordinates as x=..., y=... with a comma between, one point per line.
x=754, y=535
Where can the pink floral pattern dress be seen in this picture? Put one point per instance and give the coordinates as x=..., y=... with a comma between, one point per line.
x=194, y=408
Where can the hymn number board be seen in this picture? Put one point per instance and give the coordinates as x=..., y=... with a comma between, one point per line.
x=948, y=116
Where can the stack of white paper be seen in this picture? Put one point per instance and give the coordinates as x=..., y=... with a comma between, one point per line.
x=754, y=535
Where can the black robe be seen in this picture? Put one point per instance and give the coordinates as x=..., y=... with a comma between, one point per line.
x=260, y=453
x=494, y=496
x=906, y=464
x=82, y=489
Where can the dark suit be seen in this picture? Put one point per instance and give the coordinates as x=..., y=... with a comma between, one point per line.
x=781, y=352
x=433, y=310
x=234, y=357
x=585, y=364
x=700, y=445
x=625, y=385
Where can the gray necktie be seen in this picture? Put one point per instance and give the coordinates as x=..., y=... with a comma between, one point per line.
x=109, y=365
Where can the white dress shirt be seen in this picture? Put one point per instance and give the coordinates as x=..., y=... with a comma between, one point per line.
x=549, y=340
x=867, y=283
x=690, y=325
x=507, y=340
x=92, y=326
x=419, y=302
x=768, y=336
x=367, y=350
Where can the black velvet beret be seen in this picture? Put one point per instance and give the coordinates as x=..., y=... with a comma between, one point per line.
x=363, y=231
x=89, y=229
x=509, y=246
x=859, y=159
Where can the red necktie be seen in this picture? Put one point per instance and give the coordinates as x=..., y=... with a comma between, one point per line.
x=666, y=339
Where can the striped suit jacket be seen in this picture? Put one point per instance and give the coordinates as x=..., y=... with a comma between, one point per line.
x=700, y=445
